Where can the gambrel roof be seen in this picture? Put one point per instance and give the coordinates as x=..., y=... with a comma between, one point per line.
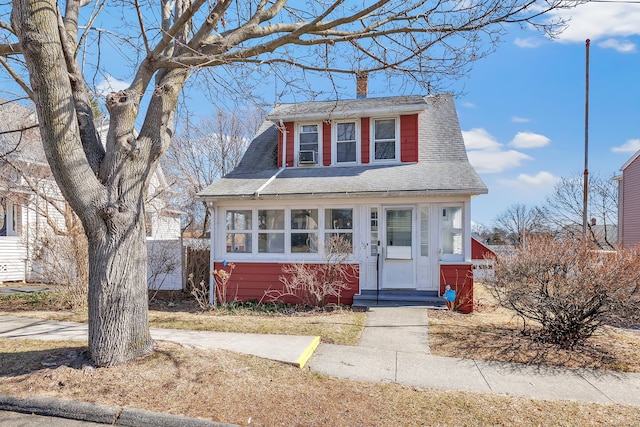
x=442, y=168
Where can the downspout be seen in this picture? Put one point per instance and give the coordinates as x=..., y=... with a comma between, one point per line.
x=212, y=279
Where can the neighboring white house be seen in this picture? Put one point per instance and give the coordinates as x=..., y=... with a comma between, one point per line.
x=32, y=208
x=390, y=175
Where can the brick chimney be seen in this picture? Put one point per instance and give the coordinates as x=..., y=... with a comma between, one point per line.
x=362, y=85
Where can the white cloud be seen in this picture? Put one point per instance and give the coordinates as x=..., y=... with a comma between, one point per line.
x=517, y=119
x=529, y=140
x=631, y=146
x=599, y=20
x=624, y=46
x=490, y=161
x=468, y=104
x=487, y=155
x=479, y=139
x=541, y=182
x=528, y=43
x=110, y=84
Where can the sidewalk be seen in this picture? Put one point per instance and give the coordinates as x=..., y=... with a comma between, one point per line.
x=291, y=349
x=394, y=348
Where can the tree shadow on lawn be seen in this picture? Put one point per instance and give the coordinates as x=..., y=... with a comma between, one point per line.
x=21, y=362
x=509, y=344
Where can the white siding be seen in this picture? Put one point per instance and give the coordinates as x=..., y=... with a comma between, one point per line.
x=12, y=259
x=164, y=269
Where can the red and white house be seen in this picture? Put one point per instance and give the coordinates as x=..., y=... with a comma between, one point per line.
x=391, y=175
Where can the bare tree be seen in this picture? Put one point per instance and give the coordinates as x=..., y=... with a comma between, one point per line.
x=564, y=208
x=519, y=221
x=204, y=153
x=53, y=51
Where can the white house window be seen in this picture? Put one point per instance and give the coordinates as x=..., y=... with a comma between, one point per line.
x=346, y=143
x=339, y=223
x=271, y=231
x=451, y=233
x=308, y=140
x=385, y=135
x=239, y=231
x=304, y=230
x=424, y=231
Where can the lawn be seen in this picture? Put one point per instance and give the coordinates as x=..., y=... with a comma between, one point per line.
x=246, y=390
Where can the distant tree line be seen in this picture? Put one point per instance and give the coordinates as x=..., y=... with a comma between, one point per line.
x=560, y=215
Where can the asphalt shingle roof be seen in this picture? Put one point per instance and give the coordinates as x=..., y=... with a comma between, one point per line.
x=442, y=168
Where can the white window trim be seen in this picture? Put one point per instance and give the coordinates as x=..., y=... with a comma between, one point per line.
x=321, y=232
x=462, y=229
x=334, y=142
x=296, y=139
x=372, y=140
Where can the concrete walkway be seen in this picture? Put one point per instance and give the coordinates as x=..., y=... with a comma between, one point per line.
x=291, y=349
x=394, y=348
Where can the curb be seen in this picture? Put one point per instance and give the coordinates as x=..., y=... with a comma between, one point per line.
x=307, y=353
x=97, y=413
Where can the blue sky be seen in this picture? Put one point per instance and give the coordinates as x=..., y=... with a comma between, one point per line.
x=522, y=108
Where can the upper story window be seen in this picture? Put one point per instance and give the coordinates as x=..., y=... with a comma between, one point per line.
x=308, y=144
x=346, y=142
x=385, y=139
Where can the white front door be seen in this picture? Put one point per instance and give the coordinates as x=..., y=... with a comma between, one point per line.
x=398, y=249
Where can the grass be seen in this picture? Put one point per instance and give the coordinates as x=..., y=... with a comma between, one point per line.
x=250, y=391
x=177, y=311
x=494, y=333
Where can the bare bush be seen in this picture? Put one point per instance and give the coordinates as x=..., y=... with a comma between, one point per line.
x=222, y=278
x=62, y=260
x=314, y=284
x=200, y=291
x=567, y=287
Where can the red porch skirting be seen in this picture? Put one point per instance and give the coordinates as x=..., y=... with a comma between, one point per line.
x=460, y=278
x=250, y=281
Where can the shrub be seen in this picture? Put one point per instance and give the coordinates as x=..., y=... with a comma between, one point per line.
x=568, y=287
x=314, y=284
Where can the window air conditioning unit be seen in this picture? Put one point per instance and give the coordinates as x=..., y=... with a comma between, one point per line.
x=307, y=157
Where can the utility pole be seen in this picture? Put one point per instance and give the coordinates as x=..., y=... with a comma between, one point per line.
x=586, y=146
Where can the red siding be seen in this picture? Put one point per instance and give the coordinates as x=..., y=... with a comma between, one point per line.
x=460, y=278
x=480, y=251
x=409, y=138
x=326, y=144
x=250, y=280
x=365, y=143
x=631, y=204
x=290, y=143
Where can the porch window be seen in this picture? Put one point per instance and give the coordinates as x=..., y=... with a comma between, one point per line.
x=271, y=231
x=385, y=139
x=424, y=231
x=239, y=231
x=338, y=223
x=375, y=240
x=346, y=145
x=304, y=230
x=452, y=233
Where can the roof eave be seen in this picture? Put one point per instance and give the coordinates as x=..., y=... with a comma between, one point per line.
x=347, y=194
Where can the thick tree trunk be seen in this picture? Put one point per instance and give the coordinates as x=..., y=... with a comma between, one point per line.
x=118, y=323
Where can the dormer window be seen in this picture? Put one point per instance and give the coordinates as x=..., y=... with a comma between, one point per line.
x=308, y=144
x=346, y=142
x=385, y=139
